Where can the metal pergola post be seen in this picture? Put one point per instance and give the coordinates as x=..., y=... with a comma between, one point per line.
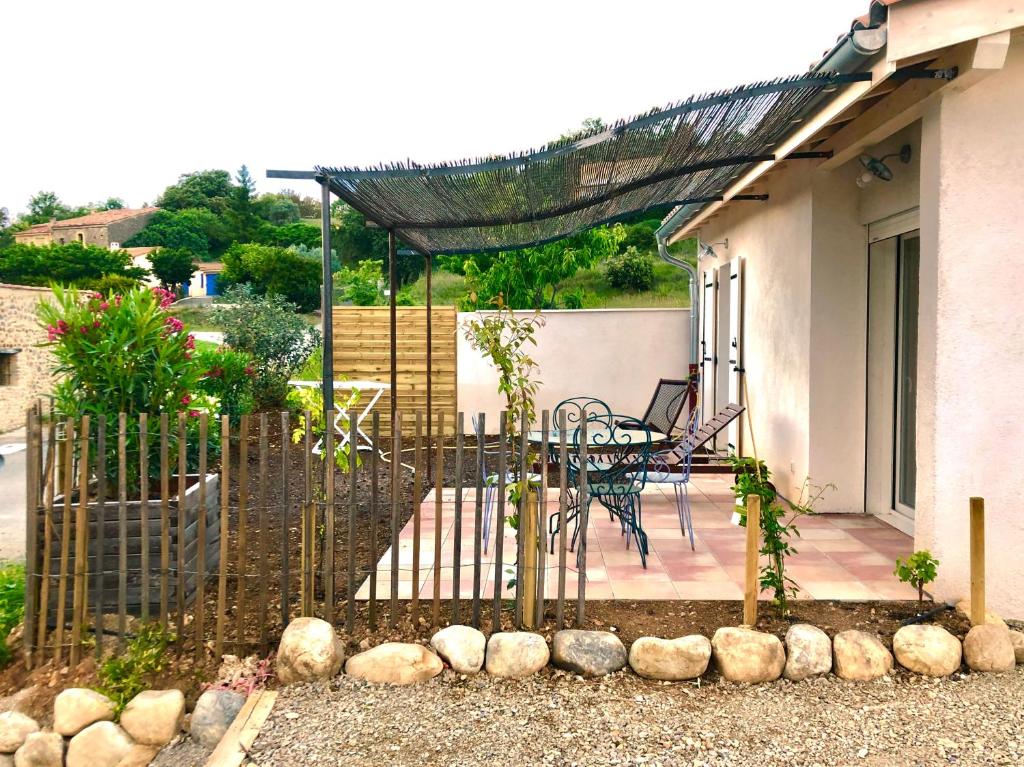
x=393, y=311
x=327, y=299
x=428, y=264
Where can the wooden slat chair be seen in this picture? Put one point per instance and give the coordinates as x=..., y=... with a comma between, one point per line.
x=707, y=431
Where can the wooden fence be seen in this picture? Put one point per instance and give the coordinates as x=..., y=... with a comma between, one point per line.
x=225, y=532
x=362, y=351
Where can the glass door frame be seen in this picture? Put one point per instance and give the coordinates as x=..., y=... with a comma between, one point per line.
x=899, y=505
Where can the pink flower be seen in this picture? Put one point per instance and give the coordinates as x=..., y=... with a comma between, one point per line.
x=52, y=333
x=84, y=329
x=193, y=413
x=215, y=372
x=190, y=342
x=249, y=370
x=166, y=297
x=97, y=295
x=174, y=325
x=62, y=327
x=95, y=323
x=185, y=400
x=104, y=306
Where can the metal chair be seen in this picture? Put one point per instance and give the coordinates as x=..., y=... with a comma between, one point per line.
x=667, y=467
x=491, y=482
x=666, y=405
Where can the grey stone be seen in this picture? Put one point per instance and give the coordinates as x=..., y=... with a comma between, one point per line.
x=670, y=660
x=860, y=657
x=588, y=653
x=395, y=663
x=153, y=717
x=989, y=648
x=516, y=654
x=1017, y=640
x=102, y=744
x=214, y=712
x=14, y=728
x=928, y=650
x=744, y=655
x=309, y=649
x=77, y=707
x=808, y=652
x=41, y=749
x=462, y=647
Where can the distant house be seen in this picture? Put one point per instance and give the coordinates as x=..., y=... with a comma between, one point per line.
x=205, y=280
x=104, y=228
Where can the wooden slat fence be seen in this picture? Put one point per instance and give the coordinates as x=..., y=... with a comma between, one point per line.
x=225, y=531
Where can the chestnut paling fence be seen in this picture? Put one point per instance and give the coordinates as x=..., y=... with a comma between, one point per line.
x=223, y=532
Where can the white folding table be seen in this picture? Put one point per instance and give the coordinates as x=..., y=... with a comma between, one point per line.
x=376, y=387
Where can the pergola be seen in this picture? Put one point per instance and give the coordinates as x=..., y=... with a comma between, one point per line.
x=685, y=153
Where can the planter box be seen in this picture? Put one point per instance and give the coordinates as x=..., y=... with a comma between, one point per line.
x=112, y=547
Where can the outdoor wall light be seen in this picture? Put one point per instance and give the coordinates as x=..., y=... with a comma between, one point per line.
x=876, y=167
x=707, y=249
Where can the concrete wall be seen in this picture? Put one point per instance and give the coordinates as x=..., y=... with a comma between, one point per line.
x=19, y=329
x=617, y=355
x=971, y=353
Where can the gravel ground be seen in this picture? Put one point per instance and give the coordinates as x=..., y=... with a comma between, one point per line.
x=558, y=719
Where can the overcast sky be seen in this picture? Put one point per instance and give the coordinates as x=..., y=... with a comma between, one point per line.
x=119, y=98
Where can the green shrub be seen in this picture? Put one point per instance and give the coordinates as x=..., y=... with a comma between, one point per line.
x=312, y=369
x=918, y=570
x=227, y=378
x=361, y=286
x=114, y=283
x=70, y=264
x=631, y=270
x=274, y=271
x=12, y=604
x=573, y=299
x=267, y=328
x=125, y=674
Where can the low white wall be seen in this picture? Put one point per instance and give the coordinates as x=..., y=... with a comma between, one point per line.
x=617, y=355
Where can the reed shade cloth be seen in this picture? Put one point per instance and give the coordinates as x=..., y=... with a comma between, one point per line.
x=687, y=152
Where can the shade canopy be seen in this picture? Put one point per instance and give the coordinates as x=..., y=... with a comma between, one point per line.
x=687, y=152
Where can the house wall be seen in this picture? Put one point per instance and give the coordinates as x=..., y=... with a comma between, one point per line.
x=20, y=329
x=616, y=355
x=971, y=353
x=33, y=238
x=103, y=234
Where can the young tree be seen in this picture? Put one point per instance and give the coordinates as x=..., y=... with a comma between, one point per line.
x=173, y=266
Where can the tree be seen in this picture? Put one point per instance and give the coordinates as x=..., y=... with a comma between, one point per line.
x=112, y=203
x=46, y=205
x=210, y=189
x=73, y=263
x=242, y=220
x=356, y=241
x=277, y=209
x=173, y=266
x=274, y=271
x=6, y=237
x=194, y=229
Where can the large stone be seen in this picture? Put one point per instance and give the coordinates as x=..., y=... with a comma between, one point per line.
x=462, y=647
x=588, y=653
x=808, y=652
x=928, y=650
x=860, y=657
x=102, y=744
x=153, y=717
x=744, y=655
x=214, y=712
x=14, y=728
x=309, y=650
x=670, y=660
x=395, y=663
x=989, y=648
x=1017, y=640
x=6, y=760
x=963, y=609
x=41, y=749
x=139, y=756
x=77, y=707
x=516, y=654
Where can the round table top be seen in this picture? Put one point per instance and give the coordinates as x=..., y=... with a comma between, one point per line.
x=600, y=436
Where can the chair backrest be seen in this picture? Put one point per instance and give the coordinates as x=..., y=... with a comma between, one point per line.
x=707, y=430
x=620, y=453
x=666, y=405
x=576, y=409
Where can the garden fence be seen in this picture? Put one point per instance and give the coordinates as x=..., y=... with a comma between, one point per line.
x=224, y=532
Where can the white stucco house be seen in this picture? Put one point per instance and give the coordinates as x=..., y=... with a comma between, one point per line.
x=868, y=312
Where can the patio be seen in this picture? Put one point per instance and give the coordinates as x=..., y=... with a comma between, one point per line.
x=841, y=556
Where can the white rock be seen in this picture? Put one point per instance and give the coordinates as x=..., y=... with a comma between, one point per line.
x=928, y=650
x=309, y=649
x=102, y=744
x=808, y=652
x=153, y=717
x=139, y=756
x=516, y=654
x=77, y=707
x=462, y=647
x=989, y=648
x=395, y=663
x=41, y=749
x=214, y=712
x=14, y=728
x=963, y=608
x=670, y=660
x=588, y=653
x=744, y=655
x=1017, y=640
x=860, y=657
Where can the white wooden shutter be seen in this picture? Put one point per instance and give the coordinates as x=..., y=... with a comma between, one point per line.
x=708, y=310
x=735, y=369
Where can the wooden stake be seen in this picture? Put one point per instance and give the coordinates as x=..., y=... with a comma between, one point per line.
x=81, y=544
x=225, y=502
x=751, y=587
x=977, y=561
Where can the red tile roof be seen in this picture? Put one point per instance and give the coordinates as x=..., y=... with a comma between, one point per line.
x=103, y=217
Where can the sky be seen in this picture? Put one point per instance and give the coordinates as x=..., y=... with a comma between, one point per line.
x=117, y=99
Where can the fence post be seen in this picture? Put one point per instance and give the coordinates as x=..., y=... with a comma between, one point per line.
x=81, y=545
x=34, y=439
x=751, y=589
x=977, y=561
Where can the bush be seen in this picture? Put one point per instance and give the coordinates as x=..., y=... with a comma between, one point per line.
x=72, y=264
x=227, y=378
x=197, y=230
x=274, y=271
x=12, y=604
x=361, y=286
x=573, y=299
x=289, y=235
x=114, y=283
x=631, y=270
x=267, y=328
x=127, y=673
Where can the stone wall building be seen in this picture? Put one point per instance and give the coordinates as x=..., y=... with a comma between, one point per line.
x=99, y=228
x=24, y=365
